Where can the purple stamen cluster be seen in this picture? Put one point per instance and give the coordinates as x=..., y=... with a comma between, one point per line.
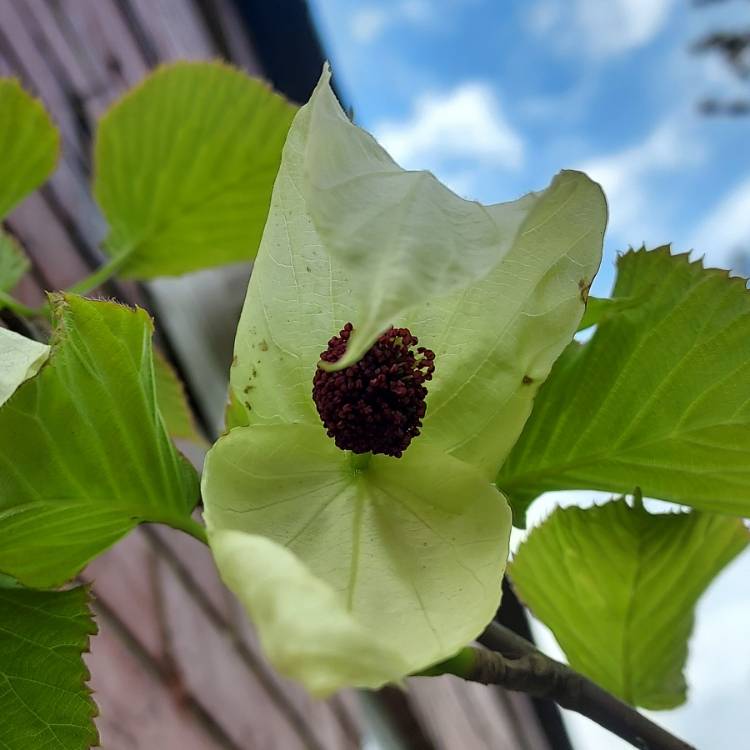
x=377, y=404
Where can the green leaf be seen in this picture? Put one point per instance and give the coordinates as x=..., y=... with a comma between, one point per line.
x=44, y=700
x=617, y=586
x=658, y=398
x=495, y=339
x=84, y=455
x=185, y=164
x=13, y=263
x=173, y=404
x=353, y=576
x=20, y=359
x=29, y=144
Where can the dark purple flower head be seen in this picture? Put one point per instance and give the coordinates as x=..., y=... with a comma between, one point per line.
x=377, y=404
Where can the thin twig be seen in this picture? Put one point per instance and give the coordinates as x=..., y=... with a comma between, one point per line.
x=497, y=637
x=516, y=664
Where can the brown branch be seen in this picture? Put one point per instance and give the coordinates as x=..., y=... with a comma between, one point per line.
x=515, y=664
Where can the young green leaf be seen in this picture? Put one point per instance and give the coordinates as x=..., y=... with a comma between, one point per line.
x=172, y=399
x=13, y=262
x=20, y=359
x=658, y=398
x=353, y=577
x=44, y=700
x=185, y=164
x=618, y=585
x=84, y=455
x=29, y=144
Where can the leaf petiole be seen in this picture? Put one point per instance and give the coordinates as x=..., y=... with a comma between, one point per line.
x=82, y=287
x=190, y=526
x=463, y=665
x=102, y=274
x=11, y=303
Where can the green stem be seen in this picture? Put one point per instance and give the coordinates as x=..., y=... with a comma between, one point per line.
x=102, y=274
x=359, y=461
x=85, y=285
x=6, y=300
x=461, y=665
x=190, y=526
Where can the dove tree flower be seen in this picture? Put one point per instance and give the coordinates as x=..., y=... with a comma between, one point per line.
x=390, y=346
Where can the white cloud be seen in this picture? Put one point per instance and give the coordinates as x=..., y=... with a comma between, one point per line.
x=369, y=22
x=543, y=16
x=620, y=25
x=626, y=178
x=600, y=28
x=416, y=11
x=464, y=124
x=726, y=229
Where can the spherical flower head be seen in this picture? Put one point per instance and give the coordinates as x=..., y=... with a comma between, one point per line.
x=377, y=404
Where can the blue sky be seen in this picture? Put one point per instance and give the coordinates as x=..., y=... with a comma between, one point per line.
x=496, y=96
